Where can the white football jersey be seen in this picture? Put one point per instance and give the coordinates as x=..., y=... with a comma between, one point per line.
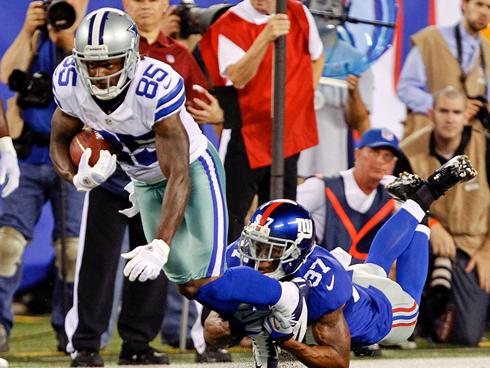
x=156, y=91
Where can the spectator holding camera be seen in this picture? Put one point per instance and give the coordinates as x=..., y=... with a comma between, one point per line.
x=457, y=297
x=29, y=62
x=466, y=58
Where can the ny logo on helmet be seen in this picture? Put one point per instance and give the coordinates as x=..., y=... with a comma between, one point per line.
x=305, y=228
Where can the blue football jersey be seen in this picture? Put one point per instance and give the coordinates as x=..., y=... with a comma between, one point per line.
x=366, y=310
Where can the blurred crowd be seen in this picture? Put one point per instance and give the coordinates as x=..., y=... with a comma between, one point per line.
x=335, y=162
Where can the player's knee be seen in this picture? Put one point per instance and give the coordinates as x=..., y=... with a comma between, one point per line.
x=189, y=289
x=12, y=244
x=71, y=245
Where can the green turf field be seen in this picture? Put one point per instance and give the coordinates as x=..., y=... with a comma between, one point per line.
x=33, y=345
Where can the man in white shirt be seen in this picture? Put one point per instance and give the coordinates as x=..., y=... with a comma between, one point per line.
x=349, y=208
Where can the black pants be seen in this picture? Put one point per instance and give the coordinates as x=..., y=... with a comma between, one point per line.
x=143, y=303
x=457, y=315
x=243, y=183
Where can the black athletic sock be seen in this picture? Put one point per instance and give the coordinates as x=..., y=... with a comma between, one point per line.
x=424, y=196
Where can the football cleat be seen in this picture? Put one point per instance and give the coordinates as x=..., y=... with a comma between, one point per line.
x=457, y=170
x=213, y=355
x=149, y=356
x=404, y=186
x=265, y=352
x=86, y=358
x=367, y=351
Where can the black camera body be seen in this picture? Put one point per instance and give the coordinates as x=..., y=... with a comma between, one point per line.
x=34, y=91
x=196, y=20
x=59, y=14
x=483, y=115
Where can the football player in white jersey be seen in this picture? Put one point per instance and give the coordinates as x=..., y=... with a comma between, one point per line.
x=138, y=106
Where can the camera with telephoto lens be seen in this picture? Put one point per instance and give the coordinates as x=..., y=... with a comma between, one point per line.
x=196, y=20
x=59, y=14
x=483, y=115
x=34, y=90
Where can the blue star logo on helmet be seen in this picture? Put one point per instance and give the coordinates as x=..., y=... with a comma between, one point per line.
x=133, y=29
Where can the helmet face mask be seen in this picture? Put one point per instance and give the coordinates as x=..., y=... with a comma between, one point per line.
x=104, y=35
x=277, y=245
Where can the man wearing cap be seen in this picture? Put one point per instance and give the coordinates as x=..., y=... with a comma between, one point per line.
x=457, y=297
x=355, y=202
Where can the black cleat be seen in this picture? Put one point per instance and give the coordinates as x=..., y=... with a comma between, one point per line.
x=86, y=358
x=213, y=355
x=457, y=170
x=367, y=351
x=404, y=186
x=146, y=357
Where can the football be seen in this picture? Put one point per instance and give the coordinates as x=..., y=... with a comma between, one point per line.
x=88, y=138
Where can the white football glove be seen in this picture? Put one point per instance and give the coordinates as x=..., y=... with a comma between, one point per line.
x=146, y=261
x=278, y=326
x=89, y=177
x=9, y=167
x=133, y=198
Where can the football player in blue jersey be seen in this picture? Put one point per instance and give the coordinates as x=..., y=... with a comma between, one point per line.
x=348, y=305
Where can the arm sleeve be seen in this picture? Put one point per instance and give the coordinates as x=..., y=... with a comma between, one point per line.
x=366, y=89
x=61, y=94
x=310, y=196
x=412, y=85
x=315, y=44
x=228, y=54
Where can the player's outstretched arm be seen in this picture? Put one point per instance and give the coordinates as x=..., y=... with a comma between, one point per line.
x=172, y=145
x=333, y=338
x=63, y=128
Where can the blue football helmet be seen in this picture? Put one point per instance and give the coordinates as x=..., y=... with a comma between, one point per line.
x=281, y=232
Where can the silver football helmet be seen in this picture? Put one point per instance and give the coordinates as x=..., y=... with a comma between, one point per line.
x=106, y=34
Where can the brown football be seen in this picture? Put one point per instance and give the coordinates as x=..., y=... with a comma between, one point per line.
x=88, y=138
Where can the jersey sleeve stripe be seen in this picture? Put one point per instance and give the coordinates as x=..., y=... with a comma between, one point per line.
x=175, y=92
x=171, y=108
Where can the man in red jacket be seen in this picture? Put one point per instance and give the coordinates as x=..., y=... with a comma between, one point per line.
x=238, y=52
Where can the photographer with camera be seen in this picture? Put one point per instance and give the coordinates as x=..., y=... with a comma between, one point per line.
x=457, y=295
x=27, y=66
x=467, y=57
